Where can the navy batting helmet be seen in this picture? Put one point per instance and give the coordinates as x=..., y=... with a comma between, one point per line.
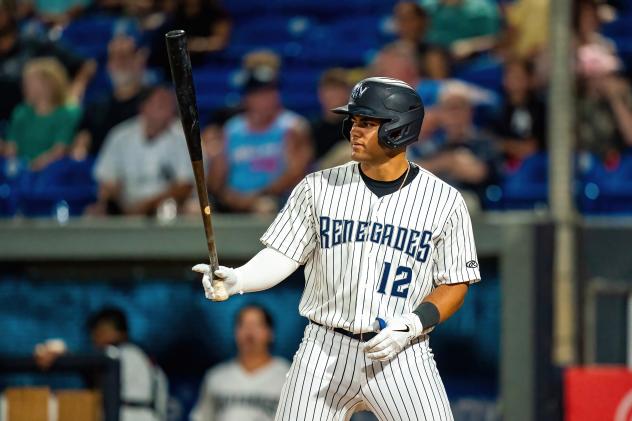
x=390, y=100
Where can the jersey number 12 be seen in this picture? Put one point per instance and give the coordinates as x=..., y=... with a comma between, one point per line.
x=403, y=276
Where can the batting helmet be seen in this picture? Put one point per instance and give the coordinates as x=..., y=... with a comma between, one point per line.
x=390, y=100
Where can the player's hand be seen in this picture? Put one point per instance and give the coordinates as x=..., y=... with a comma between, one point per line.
x=398, y=333
x=226, y=274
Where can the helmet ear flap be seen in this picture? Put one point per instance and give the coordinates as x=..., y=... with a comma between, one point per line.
x=347, y=123
x=383, y=136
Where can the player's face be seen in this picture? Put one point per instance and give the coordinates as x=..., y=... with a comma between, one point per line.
x=253, y=335
x=364, y=140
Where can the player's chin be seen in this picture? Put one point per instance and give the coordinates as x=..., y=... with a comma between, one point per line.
x=359, y=155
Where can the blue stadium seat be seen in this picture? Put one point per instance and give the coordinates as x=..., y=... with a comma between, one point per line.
x=238, y=9
x=606, y=189
x=485, y=72
x=67, y=182
x=89, y=36
x=618, y=28
x=526, y=187
x=13, y=176
x=273, y=30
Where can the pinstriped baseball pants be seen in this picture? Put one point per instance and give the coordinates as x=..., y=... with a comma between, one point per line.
x=331, y=378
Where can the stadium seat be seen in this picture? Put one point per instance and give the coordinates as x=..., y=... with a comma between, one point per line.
x=525, y=187
x=89, y=36
x=274, y=30
x=484, y=72
x=617, y=28
x=65, y=183
x=605, y=189
x=13, y=176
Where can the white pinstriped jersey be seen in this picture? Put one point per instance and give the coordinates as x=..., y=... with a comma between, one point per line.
x=366, y=256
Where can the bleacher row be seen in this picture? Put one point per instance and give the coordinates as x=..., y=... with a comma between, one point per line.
x=66, y=187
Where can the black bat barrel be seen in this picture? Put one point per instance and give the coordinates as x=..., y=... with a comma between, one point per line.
x=181, y=72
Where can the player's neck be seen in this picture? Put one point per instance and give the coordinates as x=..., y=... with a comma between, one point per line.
x=253, y=362
x=386, y=171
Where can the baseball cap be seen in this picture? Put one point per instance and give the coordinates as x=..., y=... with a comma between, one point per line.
x=260, y=77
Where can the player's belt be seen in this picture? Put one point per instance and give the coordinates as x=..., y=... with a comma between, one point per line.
x=362, y=337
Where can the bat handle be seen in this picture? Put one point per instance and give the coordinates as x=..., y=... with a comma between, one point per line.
x=219, y=290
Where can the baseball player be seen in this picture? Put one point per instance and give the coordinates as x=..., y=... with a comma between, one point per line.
x=388, y=253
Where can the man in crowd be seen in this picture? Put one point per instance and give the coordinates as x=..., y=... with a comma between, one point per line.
x=457, y=152
x=126, y=67
x=267, y=148
x=247, y=388
x=144, y=389
x=144, y=160
x=333, y=91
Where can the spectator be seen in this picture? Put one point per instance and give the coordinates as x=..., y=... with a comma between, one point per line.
x=399, y=61
x=333, y=91
x=587, y=23
x=144, y=390
x=411, y=24
x=604, y=105
x=523, y=39
x=463, y=26
x=247, y=388
x=436, y=64
x=16, y=51
x=208, y=28
x=521, y=123
x=144, y=160
x=126, y=67
x=42, y=127
x=212, y=148
x=146, y=14
x=206, y=22
x=267, y=148
x=458, y=152
x=54, y=12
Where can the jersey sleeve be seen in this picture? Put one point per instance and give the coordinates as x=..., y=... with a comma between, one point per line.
x=456, y=260
x=293, y=232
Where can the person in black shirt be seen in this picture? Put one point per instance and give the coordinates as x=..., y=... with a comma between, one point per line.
x=333, y=91
x=521, y=125
x=126, y=67
x=206, y=23
x=458, y=152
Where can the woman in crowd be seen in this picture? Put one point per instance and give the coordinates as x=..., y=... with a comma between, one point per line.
x=41, y=128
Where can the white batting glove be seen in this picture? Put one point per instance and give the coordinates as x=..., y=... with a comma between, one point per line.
x=398, y=333
x=228, y=275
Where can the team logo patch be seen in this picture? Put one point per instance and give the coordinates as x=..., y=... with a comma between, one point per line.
x=358, y=90
x=472, y=264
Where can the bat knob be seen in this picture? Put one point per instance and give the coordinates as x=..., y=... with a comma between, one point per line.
x=176, y=33
x=219, y=290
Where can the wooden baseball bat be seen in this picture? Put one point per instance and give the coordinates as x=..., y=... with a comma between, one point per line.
x=180, y=64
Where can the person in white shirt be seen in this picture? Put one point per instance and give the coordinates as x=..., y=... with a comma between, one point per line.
x=246, y=388
x=144, y=160
x=143, y=387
